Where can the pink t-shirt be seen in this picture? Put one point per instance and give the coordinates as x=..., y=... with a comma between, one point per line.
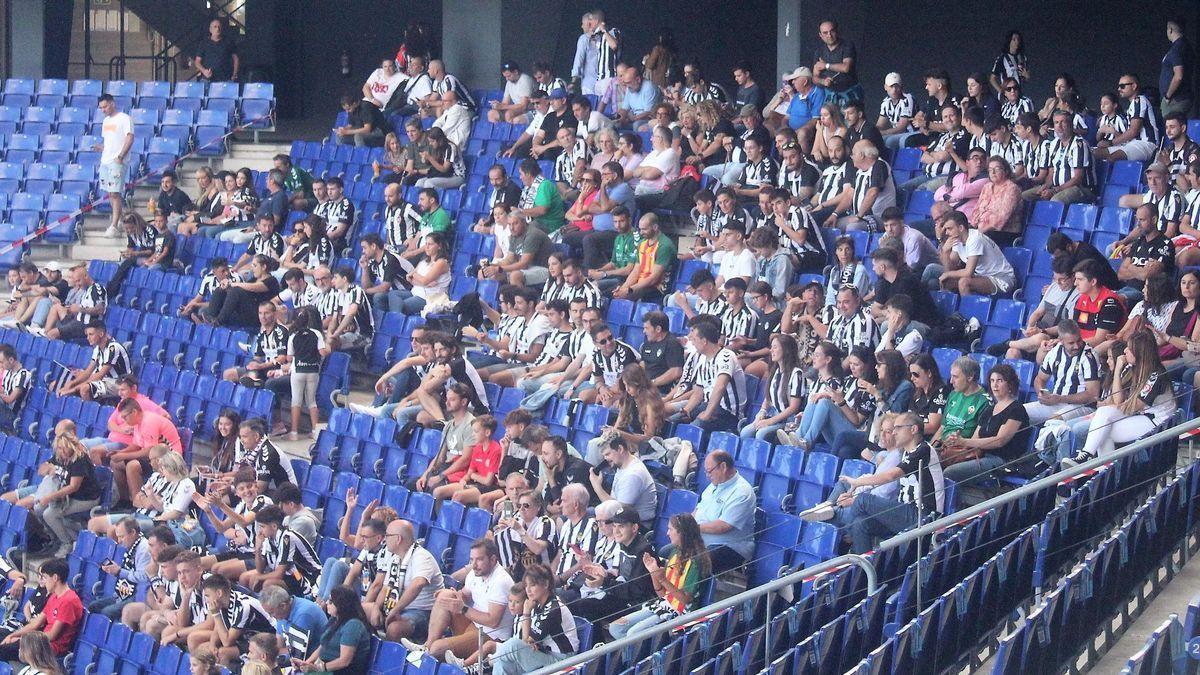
x=115, y=419
x=156, y=429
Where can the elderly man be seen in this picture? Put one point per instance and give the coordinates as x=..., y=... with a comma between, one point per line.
x=454, y=119
x=725, y=513
x=401, y=598
x=578, y=541
x=620, y=580
x=298, y=620
x=637, y=106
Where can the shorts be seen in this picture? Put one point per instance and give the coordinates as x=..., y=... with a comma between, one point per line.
x=145, y=523
x=304, y=389
x=112, y=177
x=236, y=555
x=419, y=618
x=106, y=388
x=1003, y=283
x=1185, y=241
x=353, y=341
x=70, y=329
x=536, y=276
x=27, y=491
x=1136, y=150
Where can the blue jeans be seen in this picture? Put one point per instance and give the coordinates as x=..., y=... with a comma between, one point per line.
x=399, y=301
x=7, y=417
x=824, y=420
x=333, y=573
x=636, y=622
x=540, y=392
x=972, y=470
x=483, y=360
x=215, y=231
x=872, y=516
x=110, y=607
x=849, y=444
x=40, y=311
x=102, y=443
x=403, y=384
x=766, y=433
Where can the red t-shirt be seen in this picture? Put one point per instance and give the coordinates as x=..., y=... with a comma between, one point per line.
x=485, y=460
x=65, y=608
x=1105, y=312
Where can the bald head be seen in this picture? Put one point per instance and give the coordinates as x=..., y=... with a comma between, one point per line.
x=400, y=535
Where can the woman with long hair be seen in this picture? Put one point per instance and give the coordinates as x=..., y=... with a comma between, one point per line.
x=825, y=378
x=1182, y=330
x=640, y=414
x=544, y=632
x=830, y=123
x=447, y=169
x=390, y=168
x=579, y=216
x=850, y=408
x=930, y=392
x=661, y=60
x=1066, y=97
x=1011, y=63
x=677, y=584
x=306, y=349
x=237, y=303
x=785, y=382
x=228, y=450
x=716, y=129
x=892, y=392
x=68, y=487
x=1002, y=435
x=1155, y=310
x=802, y=311
x=345, y=646
x=1142, y=401
x=35, y=652
x=309, y=246
x=979, y=95
x=430, y=279
x=846, y=269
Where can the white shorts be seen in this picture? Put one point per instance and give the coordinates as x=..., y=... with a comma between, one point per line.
x=112, y=177
x=106, y=388
x=1136, y=150
x=1003, y=283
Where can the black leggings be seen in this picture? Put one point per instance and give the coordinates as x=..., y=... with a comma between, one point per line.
x=233, y=307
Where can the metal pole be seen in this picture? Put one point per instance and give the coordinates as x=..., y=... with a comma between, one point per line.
x=121, y=28
x=920, y=552
x=898, y=540
x=87, y=39
x=766, y=631
x=709, y=611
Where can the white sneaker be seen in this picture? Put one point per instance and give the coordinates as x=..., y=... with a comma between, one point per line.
x=819, y=513
x=364, y=409
x=413, y=646
x=454, y=660
x=112, y=231
x=36, y=330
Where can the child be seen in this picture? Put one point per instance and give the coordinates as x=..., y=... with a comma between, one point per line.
x=263, y=656
x=306, y=348
x=238, y=527
x=482, y=462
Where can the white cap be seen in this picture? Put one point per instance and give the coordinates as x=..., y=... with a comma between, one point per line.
x=53, y=266
x=802, y=71
x=892, y=78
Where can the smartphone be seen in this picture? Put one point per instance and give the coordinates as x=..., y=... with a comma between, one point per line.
x=507, y=510
x=107, y=562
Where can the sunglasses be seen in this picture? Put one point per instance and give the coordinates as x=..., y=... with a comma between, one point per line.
x=1122, y=85
x=604, y=341
x=526, y=506
x=1010, y=89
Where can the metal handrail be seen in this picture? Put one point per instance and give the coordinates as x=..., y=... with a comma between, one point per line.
x=896, y=541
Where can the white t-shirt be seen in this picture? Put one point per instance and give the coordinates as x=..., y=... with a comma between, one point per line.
x=739, y=265
x=420, y=564
x=382, y=87
x=518, y=91
x=666, y=161
x=181, y=501
x=991, y=259
x=491, y=590
x=116, y=128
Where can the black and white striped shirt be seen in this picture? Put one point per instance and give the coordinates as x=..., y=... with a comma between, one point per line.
x=879, y=178
x=325, y=301
x=1014, y=152
x=895, y=110
x=1037, y=155
x=313, y=255
x=400, y=223
x=552, y=628
x=715, y=307
x=270, y=344
x=585, y=534
x=724, y=362
x=364, y=323
x=511, y=546
x=1170, y=206
x=1118, y=123
x=372, y=562
x=93, y=296
x=452, y=83
x=250, y=530
x=341, y=211
x=113, y=355
x=14, y=380
x=738, y=323
x=1011, y=110
x=857, y=330
x=711, y=92
x=269, y=463
x=606, y=368
x=1178, y=158
x=1191, y=206
x=210, y=283
x=1071, y=374
x=797, y=220
x=1140, y=108
x=807, y=175
x=739, y=216
x=833, y=178
x=297, y=558
x=386, y=269
x=246, y=614
x=756, y=174
x=1066, y=157
x=783, y=387
x=558, y=345
x=707, y=223
x=580, y=339
x=982, y=142
x=945, y=142
x=606, y=54
x=527, y=332
x=1009, y=65
x=272, y=246
x=564, y=164
x=587, y=291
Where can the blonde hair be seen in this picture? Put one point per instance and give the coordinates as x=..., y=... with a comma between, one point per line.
x=172, y=465
x=66, y=441
x=34, y=650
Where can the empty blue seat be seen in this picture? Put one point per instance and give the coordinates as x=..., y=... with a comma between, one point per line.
x=1046, y=213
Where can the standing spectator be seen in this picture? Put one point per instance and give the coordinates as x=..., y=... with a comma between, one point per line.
x=1175, y=76
x=660, y=62
x=1011, y=64
x=117, y=135
x=584, y=71
x=60, y=620
x=305, y=350
x=748, y=91
x=835, y=65
x=217, y=57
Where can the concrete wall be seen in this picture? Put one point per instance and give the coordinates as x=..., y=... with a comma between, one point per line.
x=27, y=37
x=472, y=60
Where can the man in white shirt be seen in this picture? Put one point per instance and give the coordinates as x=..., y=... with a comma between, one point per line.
x=517, y=88
x=973, y=263
x=382, y=83
x=117, y=134
x=481, y=605
x=455, y=120
x=402, y=597
x=738, y=260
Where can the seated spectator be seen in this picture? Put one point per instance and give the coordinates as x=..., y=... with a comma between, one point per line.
x=783, y=400
x=130, y=572
x=998, y=211
x=632, y=485
x=235, y=615
x=166, y=498
x=895, y=113
x=724, y=515
x=171, y=201
x=837, y=507
x=1142, y=401
x=281, y=555
x=476, y=469
x=851, y=325
x=972, y=264
x=447, y=169
x=893, y=279
x=1077, y=375
x=560, y=469
x=140, y=238
x=518, y=87
x=850, y=407
x=657, y=170
x=71, y=487
x=937, y=160
x=899, y=331
x=353, y=326
x=544, y=632
x=402, y=597
x=109, y=362
x=534, y=134
x=382, y=83
x=592, y=123
x=624, y=251
x=1000, y=438
x=449, y=368
x=298, y=620
x=379, y=272
x=965, y=402
x=637, y=105
x=389, y=169
x=237, y=524
x=524, y=534
x=1148, y=254
x=962, y=190
x=308, y=248
x=454, y=118
x=480, y=607
x=545, y=138
x=759, y=172
x=677, y=584
x=208, y=204
x=651, y=274
x=14, y=388
x=847, y=270
x=540, y=201
x=237, y=303
x=619, y=579
x=458, y=435
x=597, y=379
x=799, y=237
x=804, y=105
x=920, y=477
x=503, y=192
x=85, y=304
x=60, y=619
x=1058, y=303
x=719, y=377
x=272, y=467
x=1176, y=150
x=1141, y=134
x=1099, y=311
x=798, y=174
x=641, y=415
x=1069, y=176
x=218, y=274
x=579, y=215
x=268, y=352
x=365, y=124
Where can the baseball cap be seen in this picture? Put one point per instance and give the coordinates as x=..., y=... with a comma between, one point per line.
x=747, y=110
x=802, y=71
x=558, y=93
x=53, y=266
x=509, y=65
x=892, y=78
x=625, y=515
x=1157, y=167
